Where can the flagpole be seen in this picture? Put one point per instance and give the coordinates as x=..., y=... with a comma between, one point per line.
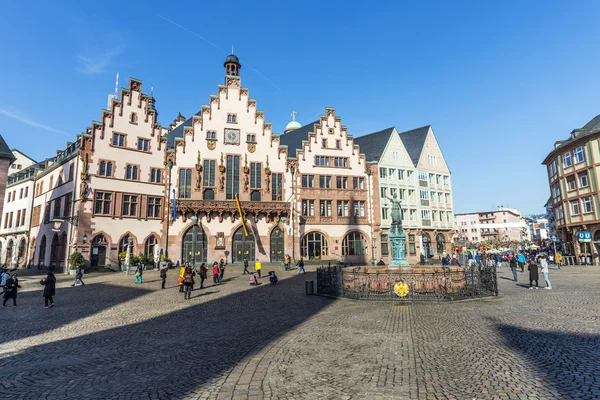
x=168, y=214
x=239, y=207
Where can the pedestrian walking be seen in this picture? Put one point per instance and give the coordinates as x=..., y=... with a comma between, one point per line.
x=544, y=268
x=49, y=284
x=245, y=267
x=188, y=282
x=163, y=276
x=513, y=263
x=221, y=269
x=78, y=276
x=180, y=278
x=4, y=277
x=257, y=266
x=300, y=266
x=10, y=290
x=203, y=273
x=139, y=274
x=521, y=260
x=215, y=272
x=559, y=259
x=534, y=275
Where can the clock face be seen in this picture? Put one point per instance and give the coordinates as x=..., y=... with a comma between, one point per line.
x=232, y=136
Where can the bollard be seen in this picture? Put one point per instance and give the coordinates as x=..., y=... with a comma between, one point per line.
x=309, y=288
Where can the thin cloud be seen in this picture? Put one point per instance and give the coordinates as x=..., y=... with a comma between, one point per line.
x=97, y=64
x=30, y=122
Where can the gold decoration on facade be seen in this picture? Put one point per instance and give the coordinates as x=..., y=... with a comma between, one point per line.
x=251, y=147
x=246, y=172
x=212, y=144
x=83, y=187
x=272, y=210
x=198, y=173
x=268, y=176
x=222, y=170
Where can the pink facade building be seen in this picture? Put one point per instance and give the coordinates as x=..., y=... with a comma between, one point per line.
x=503, y=224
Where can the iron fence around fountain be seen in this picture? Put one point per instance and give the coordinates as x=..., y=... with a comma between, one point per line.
x=437, y=284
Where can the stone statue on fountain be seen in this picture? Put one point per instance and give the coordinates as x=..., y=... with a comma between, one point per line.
x=396, y=235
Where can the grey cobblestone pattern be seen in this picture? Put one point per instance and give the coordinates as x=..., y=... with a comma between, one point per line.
x=112, y=339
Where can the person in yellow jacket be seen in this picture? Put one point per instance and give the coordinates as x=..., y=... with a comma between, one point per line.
x=181, y=274
x=257, y=266
x=558, y=260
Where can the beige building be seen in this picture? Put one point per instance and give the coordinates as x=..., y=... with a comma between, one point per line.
x=573, y=177
x=411, y=167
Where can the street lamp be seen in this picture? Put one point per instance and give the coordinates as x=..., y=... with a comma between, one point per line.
x=293, y=171
x=194, y=219
x=371, y=224
x=85, y=238
x=554, y=244
x=170, y=165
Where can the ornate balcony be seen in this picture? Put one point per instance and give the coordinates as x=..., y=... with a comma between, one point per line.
x=271, y=209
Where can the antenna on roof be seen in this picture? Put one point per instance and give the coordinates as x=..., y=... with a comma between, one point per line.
x=231, y=49
x=152, y=91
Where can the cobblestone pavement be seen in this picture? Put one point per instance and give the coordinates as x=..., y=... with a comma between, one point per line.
x=112, y=339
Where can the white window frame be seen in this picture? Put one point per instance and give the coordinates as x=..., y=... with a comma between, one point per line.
x=575, y=207
x=577, y=153
x=567, y=156
x=587, y=205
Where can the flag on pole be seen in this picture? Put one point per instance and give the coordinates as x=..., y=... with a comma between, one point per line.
x=174, y=206
x=239, y=207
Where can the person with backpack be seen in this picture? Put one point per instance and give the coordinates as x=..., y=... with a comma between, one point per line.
x=188, y=282
x=4, y=277
x=245, y=267
x=139, y=274
x=49, y=284
x=300, y=266
x=163, y=276
x=78, y=276
x=221, y=269
x=203, y=273
x=273, y=278
x=215, y=271
x=10, y=290
x=513, y=263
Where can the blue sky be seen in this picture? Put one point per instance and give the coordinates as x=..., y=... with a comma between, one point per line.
x=498, y=81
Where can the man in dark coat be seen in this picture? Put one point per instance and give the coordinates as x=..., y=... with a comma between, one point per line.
x=10, y=290
x=163, y=276
x=49, y=284
x=534, y=275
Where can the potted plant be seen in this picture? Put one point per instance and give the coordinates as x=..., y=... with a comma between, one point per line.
x=76, y=260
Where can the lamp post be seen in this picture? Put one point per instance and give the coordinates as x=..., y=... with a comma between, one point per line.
x=293, y=171
x=554, y=244
x=170, y=165
x=194, y=219
x=371, y=224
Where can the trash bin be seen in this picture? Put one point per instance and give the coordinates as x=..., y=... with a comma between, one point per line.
x=309, y=287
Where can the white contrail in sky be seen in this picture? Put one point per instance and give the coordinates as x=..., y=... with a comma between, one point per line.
x=217, y=46
x=30, y=122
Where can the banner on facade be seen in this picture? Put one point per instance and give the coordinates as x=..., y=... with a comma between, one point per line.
x=174, y=206
x=239, y=207
x=56, y=225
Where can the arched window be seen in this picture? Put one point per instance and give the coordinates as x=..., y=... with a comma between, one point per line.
x=123, y=243
x=426, y=250
x=354, y=244
x=441, y=243
x=22, y=248
x=150, y=244
x=54, y=250
x=42, y=255
x=314, y=246
x=9, y=251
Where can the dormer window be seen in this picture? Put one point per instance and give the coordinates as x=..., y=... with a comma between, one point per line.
x=133, y=118
x=232, y=118
x=211, y=135
x=251, y=138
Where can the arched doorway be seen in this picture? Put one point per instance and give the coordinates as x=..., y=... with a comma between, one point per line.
x=277, y=245
x=441, y=243
x=98, y=251
x=314, y=246
x=354, y=244
x=32, y=251
x=427, y=249
x=243, y=246
x=62, y=246
x=42, y=254
x=21, y=252
x=9, y=252
x=194, y=241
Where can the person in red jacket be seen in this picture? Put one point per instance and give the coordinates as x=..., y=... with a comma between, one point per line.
x=215, y=269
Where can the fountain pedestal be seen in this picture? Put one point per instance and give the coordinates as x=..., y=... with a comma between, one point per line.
x=397, y=238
